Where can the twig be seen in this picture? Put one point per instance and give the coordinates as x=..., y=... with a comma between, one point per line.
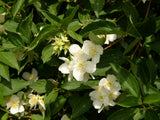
x=149, y=5
x=136, y=49
x=114, y=42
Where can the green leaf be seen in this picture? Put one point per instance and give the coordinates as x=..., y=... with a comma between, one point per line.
x=130, y=11
x=131, y=46
x=105, y=26
x=10, y=26
x=71, y=85
x=127, y=80
x=58, y=104
x=151, y=115
x=75, y=36
x=122, y=114
x=39, y=86
x=47, y=53
x=4, y=71
x=5, y=116
x=128, y=101
x=46, y=32
x=148, y=26
x=2, y=100
x=16, y=7
x=95, y=39
x=13, y=87
x=54, y=20
x=155, y=46
x=9, y=59
x=74, y=26
x=2, y=3
x=101, y=71
x=15, y=39
x=80, y=104
x=25, y=28
x=36, y=117
x=152, y=98
x=97, y=6
x=50, y=97
x=67, y=20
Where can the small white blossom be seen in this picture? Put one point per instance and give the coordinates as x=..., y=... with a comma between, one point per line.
x=82, y=68
x=34, y=100
x=94, y=51
x=65, y=117
x=15, y=105
x=110, y=83
x=110, y=38
x=76, y=50
x=100, y=98
x=2, y=30
x=31, y=77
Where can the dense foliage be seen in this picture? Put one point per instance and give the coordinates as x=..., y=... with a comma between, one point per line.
x=79, y=59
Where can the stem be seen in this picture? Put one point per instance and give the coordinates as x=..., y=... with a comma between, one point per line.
x=114, y=42
x=149, y=5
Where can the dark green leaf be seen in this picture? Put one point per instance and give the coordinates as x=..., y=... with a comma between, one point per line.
x=80, y=104
x=47, y=53
x=4, y=71
x=97, y=6
x=74, y=26
x=46, y=32
x=25, y=28
x=67, y=20
x=122, y=114
x=39, y=86
x=2, y=100
x=17, y=6
x=151, y=115
x=54, y=20
x=58, y=104
x=127, y=80
x=152, y=98
x=5, y=116
x=13, y=87
x=15, y=39
x=9, y=59
x=50, y=97
x=36, y=117
x=71, y=85
x=96, y=39
x=10, y=26
x=75, y=36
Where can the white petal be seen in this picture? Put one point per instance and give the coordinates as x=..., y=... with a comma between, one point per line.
x=14, y=110
x=26, y=75
x=78, y=75
x=64, y=68
x=97, y=104
x=73, y=49
x=34, y=72
x=21, y=109
x=64, y=59
x=143, y=1
x=65, y=117
x=91, y=67
x=96, y=59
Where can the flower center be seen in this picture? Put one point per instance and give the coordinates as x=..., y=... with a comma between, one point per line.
x=93, y=51
x=31, y=77
x=14, y=104
x=109, y=84
x=33, y=100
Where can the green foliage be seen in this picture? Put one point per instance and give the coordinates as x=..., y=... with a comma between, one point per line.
x=37, y=34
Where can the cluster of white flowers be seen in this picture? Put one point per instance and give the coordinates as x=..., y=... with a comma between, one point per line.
x=83, y=61
x=17, y=102
x=105, y=93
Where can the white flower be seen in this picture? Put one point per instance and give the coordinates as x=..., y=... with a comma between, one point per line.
x=31, y=77
x=100, y=98
x=41, y=101
x=110, y=38
x=112, y=96
x=65, y=117
x=110, y=83
x=82, y=68
x=143, y=1
x=66, y=68
x=15, y=105
x=94, y=51
x=76, y=50
x=34, y=100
